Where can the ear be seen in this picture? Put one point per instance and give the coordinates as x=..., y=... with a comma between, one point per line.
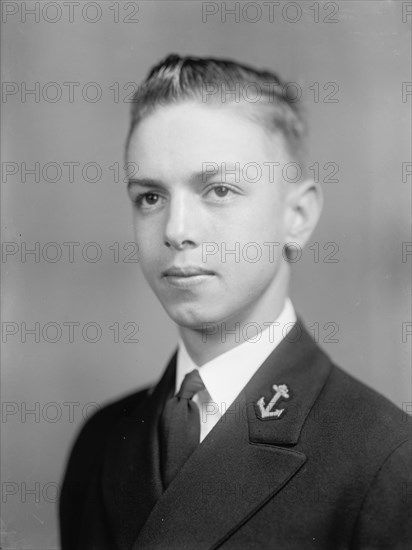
x=304, y=204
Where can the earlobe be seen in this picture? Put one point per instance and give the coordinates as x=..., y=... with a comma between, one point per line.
x=304, y=206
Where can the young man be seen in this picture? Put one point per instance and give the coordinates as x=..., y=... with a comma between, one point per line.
x=252, y=438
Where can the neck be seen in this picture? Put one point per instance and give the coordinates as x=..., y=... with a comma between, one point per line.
x=233, y=331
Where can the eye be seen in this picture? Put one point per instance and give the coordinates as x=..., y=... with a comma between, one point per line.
x=146, y=201
x=221, y=191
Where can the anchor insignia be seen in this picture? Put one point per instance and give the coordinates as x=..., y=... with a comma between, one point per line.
x=266, y=411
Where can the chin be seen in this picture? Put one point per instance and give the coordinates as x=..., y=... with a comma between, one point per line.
x=192, y=317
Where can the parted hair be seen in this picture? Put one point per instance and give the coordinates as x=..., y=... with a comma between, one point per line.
x=272, y=102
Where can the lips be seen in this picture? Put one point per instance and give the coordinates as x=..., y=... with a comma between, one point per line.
x=187, y=271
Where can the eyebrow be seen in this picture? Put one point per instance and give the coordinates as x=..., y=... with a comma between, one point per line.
x=144, y=182
x=196, y=178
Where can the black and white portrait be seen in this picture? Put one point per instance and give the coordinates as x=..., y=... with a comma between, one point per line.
x=206, y=266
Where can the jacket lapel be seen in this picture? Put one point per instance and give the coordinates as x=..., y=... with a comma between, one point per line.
x=131, y=482
x=245, y=460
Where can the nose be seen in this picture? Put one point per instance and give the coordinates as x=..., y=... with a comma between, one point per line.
x=182, y=223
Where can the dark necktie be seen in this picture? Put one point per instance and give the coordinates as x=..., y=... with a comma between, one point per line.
x=180, y=427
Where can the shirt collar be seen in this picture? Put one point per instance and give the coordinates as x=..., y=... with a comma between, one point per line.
x=226, y=375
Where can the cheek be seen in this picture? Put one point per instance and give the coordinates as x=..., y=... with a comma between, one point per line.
x=260, y=240
x=263, y=214
x=253, y=267
x=254, y=226
x=147, y=237
x=146, y=253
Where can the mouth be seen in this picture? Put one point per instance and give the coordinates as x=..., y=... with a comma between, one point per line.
x=187, y=277
x=186, y=272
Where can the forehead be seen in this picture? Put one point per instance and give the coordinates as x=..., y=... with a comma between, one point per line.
x=180, y=137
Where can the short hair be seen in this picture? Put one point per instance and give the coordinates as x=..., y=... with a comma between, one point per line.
x=178, y=78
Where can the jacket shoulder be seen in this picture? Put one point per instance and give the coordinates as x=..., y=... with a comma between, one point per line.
x=88, y=447
x=93, y=433
x=364, y=410
x=384, y=518
x=85, y=459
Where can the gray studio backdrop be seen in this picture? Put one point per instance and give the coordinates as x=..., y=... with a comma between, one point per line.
x=351, y=286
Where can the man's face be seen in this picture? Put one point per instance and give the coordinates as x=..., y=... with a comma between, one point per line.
x=190, y=211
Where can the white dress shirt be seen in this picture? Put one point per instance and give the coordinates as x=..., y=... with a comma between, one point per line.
x=225, y=376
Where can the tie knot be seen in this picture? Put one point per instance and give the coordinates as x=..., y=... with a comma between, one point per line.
x=192, y=383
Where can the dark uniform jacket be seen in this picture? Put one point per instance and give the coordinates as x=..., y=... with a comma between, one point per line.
x=331, y=472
